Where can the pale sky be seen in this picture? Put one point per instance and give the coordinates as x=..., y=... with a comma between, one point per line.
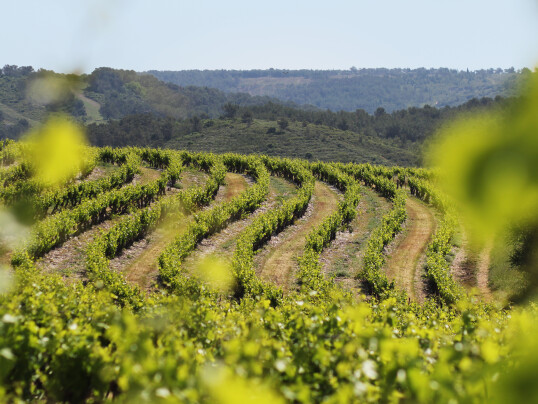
x=69, y=35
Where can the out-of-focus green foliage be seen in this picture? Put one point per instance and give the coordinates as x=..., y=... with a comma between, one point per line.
x=70, y=343
x=58, y=151
x=489, y=165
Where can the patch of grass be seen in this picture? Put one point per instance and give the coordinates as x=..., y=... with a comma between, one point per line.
x=92, y=109
x=348, y=261
x=108, y=168
x=11, y=116
x=228, y=244
x=148, y=174
x=504, y=278
x=373, y=200
x=91, y=106
x=282, y=187
x=191, y=177
x=343, y=273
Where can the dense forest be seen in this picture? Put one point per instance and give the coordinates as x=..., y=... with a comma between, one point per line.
x=124, y=92
x=348, y=90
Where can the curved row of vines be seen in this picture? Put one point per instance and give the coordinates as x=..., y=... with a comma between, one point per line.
x=241, y=339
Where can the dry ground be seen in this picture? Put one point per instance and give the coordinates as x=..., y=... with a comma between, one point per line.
x=277, y=262
x=146, y=175
x=100, y=171
x=69, y=259
x=405, y=261
x=470, y=267
x=139, y=262
x=222, y=244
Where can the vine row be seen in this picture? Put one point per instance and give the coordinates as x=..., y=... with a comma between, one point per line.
x=310, y=275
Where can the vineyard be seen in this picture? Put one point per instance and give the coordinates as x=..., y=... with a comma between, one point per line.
x=159, y=275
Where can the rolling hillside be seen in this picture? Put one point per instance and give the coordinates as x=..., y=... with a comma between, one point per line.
x=27, y=97
x=124, y=108
x=308, y=141
x=213, y=271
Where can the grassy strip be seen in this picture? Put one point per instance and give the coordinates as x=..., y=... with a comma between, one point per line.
x=437, y=266
x=374, y=258
x=310, y=275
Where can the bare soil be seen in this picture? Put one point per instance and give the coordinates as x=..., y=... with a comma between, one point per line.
x=404, y=264
x=69, y=259
x=470, y=267
x=222, y=245
x=100, y=171
x=277, y=261
x=139, y=262
x=482, y=276
x=464, y=265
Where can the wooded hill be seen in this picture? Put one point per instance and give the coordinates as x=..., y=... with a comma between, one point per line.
x=303, y=140
x=27, y=97
x=348, y=90
x=125, y=108
x=276, y=130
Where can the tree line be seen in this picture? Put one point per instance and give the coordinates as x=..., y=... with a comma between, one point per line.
x=368, y=89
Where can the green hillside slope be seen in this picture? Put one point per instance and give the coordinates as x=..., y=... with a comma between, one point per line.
x=139, y=109
x=104, y=94
x=300, y=140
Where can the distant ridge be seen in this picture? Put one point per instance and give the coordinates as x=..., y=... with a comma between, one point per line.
x=348, y=90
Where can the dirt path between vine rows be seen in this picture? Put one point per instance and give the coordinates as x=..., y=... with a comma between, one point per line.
x=343, y=258
x=464, y=264
x=235, y=184
x=222, y=244
x=98, y=172
x=69, y=259
x=139, y=262
x=146, y=175
x=277, y=262
x=406, y=255
x=482, y=275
